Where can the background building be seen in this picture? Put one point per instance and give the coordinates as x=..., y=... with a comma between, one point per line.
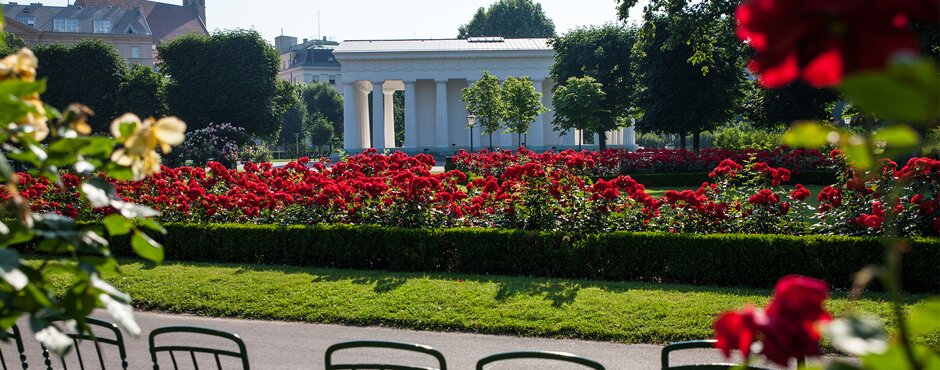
x=309, y=61
x=134, y=27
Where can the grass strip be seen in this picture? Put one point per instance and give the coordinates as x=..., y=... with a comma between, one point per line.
x=609, y=311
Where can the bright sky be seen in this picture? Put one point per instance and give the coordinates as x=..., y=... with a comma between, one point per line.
x=375, y=19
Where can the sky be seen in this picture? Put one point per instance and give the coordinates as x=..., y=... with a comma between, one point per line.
x=378, y=19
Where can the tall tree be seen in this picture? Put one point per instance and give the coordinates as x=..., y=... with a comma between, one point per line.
x=484, y=100
x=523, y=105
x=604, y=54
x=679, y=97
x=320, y=98
x=772, y=108
x=89, y=72
x=509, y=19
x=11, y=44
x=142, y=92
x=579, y=104
x=230, y=77
x=319, y=130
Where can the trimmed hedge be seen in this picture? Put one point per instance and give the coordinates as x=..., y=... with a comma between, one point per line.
x=723, y=260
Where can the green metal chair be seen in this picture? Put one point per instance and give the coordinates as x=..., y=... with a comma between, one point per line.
x=17, y=338
x=698, y=344
x=241, y=354
x=540, y=355
x=418, y=348
x=98, y=340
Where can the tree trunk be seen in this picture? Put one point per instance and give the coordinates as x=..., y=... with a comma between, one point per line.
x=682, y=140
x=697, y=141
x=601, y=141
x=491, y=141
x=519, y=138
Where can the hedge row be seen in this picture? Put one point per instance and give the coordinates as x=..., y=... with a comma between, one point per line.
x=723, y=260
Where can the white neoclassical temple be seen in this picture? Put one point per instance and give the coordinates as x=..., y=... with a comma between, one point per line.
x=433, y=74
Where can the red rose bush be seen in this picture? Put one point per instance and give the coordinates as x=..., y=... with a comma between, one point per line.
x=400, y=190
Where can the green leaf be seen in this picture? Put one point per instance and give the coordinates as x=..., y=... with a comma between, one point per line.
x=131, y=210
x=152, y=225
x=808, y=134
x=895, y=359
x=117, y=225
x=146, y=247
x=10, y=269
x=858, y=152
x=98, y=192
x=925, y=319
x=839, y=365
x=898, y=137
x=907, y=91
x=858, y=335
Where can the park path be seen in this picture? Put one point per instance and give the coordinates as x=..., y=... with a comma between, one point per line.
x=293, y=346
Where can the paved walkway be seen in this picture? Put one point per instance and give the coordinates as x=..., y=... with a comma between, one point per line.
x=292, y=346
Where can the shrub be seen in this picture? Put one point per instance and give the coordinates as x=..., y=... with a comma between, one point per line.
x=723, y=260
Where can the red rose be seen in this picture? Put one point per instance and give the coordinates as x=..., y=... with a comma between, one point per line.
x=737, y=331
x=820, y=41
x=799, y=299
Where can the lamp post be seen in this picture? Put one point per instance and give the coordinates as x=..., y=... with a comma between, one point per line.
x=297, y=145
x=471, y=121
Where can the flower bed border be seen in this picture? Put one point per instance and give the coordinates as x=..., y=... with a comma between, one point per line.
x=718, y=260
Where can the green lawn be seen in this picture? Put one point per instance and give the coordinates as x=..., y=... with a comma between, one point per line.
x=621, y=312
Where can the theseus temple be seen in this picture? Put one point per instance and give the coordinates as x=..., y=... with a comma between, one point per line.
x=432, y=74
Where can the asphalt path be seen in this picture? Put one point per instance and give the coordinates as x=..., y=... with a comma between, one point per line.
x=290, y=346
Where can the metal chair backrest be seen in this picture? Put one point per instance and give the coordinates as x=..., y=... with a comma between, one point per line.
x=117, y=340
x=17, y=338
x=418, y=348
x=241, y=354
x=540, y=355
x=698, y=344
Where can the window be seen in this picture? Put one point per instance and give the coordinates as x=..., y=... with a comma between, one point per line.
x=135, y=52
x=64, y=25
x=130, y=30
x=332, y=80
x=27, y=20
x=102, y=26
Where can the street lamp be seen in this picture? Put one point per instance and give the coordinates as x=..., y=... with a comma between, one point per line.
x=471, y=121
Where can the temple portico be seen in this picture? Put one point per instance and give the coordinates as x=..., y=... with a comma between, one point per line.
x=432, y=75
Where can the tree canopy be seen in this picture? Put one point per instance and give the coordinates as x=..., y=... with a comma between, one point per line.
x=604, y=54
x=320, y=98
x=484, y=100
x=523, y=104
x=579, y=104
x=90, y=72
x=142, y=92
x=11, y=44
x=679, y=97
x=772, y=108
x=229, y=76
x=509, y=19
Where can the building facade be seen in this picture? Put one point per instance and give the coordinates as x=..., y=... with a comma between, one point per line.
x=133, y=27
x=433, y=74
x=309, y=61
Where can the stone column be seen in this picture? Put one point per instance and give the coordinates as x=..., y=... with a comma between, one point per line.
x=389, y=118
x=378, y=116
x=411, y=115
x=441, y=134
x=536, y=136
x=629, y=137
x=351, y=135
x=364, y=129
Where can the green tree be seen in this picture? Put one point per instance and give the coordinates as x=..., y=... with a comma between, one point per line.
x=11, y=44
x=510, y=19
x=484, y=100
x=90, y=72
x=399, y=113
x=579, y=104
x=319, y=130
x=682, y=97
x=604, y=54
x=321, y=98
x=293, y=119
x=142, y=92
x=772, y=108
x=523, y=105
x=229, y=76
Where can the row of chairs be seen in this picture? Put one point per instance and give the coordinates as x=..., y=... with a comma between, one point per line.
x=189, y=352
